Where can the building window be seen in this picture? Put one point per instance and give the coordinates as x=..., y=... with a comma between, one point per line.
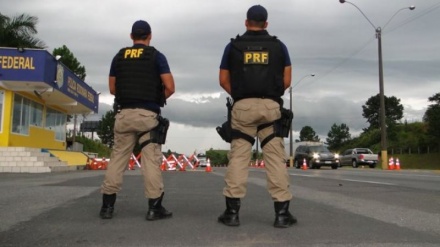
x=20, y=116
x=36, y=114
x=2, y=103
x=56, y=121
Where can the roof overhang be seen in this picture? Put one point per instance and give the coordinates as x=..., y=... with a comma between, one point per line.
x=36, y=71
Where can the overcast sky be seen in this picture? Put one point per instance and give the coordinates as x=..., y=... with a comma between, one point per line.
x=334, y=41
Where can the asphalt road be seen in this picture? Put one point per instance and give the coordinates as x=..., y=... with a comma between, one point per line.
x=343, y=207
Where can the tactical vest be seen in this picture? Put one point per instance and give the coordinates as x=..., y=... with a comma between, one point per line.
x=137, y=78
x=256, y=67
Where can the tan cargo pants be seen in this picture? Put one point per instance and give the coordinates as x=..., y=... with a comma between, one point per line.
x=247, y=115
x=129, y=123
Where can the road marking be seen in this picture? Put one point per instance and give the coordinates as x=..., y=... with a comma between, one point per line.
x=350, y=180
x=302, y=175
x=370, y=182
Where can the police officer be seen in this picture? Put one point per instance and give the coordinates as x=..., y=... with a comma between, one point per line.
x=255, y=70
x=141, y=80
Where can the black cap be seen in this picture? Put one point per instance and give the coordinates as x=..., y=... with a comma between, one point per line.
x=257, y=13
x=141, y=28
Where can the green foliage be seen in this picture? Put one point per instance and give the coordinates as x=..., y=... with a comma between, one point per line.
x=307, y=133
x=19, y=32
x=93, y=146
x=410, y=136
x=70, y=61
x=217, y=157
x=429, y=161
x=337, y=135
x=393, y=111
x=105, y=128
x=432, y=118
x=368, y=139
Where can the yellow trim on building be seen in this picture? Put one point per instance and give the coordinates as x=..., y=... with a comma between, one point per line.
x=38, y=137
x=6, y=119
x=70, y=157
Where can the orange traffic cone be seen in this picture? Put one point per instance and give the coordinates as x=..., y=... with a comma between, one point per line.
x=262, y=164
x=397, y=166
x=208, y=166
x=391, y=164
x=304, y=166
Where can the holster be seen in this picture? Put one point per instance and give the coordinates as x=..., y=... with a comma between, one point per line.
x=282, y=125
x=225, y=130
x=158, y=134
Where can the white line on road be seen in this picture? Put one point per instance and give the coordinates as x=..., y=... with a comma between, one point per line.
x=370, y=182
x=351, y=180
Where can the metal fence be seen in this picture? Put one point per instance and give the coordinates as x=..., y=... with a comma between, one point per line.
x=417, y=150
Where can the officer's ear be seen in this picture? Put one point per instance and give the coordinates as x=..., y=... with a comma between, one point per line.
x=265, y=25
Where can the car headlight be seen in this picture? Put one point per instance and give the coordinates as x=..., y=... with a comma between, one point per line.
x=315, y=156
x=336, y=156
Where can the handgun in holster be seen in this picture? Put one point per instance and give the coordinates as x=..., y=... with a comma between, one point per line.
x=158, y=134
x=282, y=125
x=225, y=130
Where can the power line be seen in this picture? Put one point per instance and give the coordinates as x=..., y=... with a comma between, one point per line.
x=406, y=21
x=338, y=64
x=417, y=16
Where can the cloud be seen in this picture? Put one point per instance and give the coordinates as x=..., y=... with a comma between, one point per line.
x=326, y=38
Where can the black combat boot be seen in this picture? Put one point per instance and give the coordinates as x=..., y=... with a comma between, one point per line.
x=156, y=211
x=108, y=205
x=283, y=218
x=230, y=216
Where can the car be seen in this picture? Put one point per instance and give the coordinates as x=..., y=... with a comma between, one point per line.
x=358, y=156
x=202, y=159
x=315, y=156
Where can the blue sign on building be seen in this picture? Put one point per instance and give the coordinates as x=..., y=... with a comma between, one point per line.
x=38, y=71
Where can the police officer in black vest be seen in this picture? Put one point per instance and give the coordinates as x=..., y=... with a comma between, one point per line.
x=255, y=70
x=141, y=80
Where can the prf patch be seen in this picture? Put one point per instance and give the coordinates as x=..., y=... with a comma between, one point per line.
x=256, y=57
x=133, y=53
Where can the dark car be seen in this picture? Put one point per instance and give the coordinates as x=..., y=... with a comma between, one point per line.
x=315, y=156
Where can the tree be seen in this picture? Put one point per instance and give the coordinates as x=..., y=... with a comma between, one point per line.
x=393, y=111
x=70, y=61
x=338, y=135
x=217, y=157
x=432, y=118
x=19, y=32
x=308, y=134
x=105, y=129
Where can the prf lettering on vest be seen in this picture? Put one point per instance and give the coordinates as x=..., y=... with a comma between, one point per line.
x=10, y=62
x=256, y=57
x=133, y=53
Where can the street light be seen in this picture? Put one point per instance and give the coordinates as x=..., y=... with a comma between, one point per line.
x=383, y=130
x=291, y=128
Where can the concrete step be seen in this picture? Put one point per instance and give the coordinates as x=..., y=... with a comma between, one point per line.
x=30, y=160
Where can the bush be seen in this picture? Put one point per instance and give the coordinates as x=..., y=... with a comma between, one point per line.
x=93, y=146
